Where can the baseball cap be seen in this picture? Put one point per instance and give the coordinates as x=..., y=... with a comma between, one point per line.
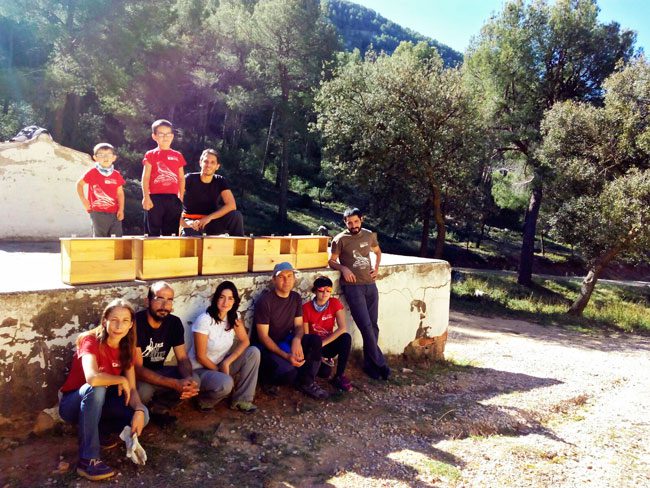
x=284, y=266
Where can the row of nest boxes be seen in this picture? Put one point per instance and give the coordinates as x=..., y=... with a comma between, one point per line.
x=99, y=260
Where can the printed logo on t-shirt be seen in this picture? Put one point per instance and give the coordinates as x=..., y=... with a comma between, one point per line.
x=101, y=200
x=320, y=331
x=114, y=365
x=110, y=181
x=165, y=176
x=359, y=260
x=154, y=352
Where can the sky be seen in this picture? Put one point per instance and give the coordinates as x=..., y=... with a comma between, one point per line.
x=454, y=22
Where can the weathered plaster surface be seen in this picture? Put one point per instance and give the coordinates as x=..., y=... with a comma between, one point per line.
x=38, y=329
x=39, y=195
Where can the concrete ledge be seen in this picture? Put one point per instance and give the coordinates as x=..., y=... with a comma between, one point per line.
x=38, y=328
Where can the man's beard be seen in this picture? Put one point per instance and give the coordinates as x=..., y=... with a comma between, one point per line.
x=159, y=315
x=354, y=230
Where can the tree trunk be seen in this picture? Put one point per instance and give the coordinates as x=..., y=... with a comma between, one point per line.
x=284, y=180
x=268, y=142
x=440, y=223
x=481, y=234
x=589, y=282
x=528, y=240
x=426, y=227
x=284, y=129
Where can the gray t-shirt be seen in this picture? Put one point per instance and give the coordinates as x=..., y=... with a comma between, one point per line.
x=354, y=253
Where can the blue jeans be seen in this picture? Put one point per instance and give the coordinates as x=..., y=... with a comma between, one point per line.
x=97, y=410
x=363, y=301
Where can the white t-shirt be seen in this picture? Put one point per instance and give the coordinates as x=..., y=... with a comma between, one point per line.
x=220, y=340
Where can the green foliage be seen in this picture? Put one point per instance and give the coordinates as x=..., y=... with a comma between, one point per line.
x=602, y=159
x=526, y=59
x=612, y=306
x=400, y=128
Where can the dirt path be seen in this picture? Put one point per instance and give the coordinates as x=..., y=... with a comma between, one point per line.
x=521, y=405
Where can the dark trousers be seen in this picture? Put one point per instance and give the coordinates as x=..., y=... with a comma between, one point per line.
x=165, y=216
x=279, y=371
x=338, y=347
x=105, y=224
x=231, y=223
x=363, y=301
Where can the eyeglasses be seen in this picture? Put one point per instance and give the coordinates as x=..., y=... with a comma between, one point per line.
x=324, y=288
x=164, y=134
x=162, y=300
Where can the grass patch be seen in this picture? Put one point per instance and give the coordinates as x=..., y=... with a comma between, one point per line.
x=438, y=469
x=611, y=306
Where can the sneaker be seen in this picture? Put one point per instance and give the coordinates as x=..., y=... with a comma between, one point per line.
x=205, y=406
x=94, y=469
x=108, y=442
x=372, y=373
x=271, y=390
x=384, y=371
x=314, y=391
x=163, y=419
x=342, y=383
x=242, y=406
x=328, y=361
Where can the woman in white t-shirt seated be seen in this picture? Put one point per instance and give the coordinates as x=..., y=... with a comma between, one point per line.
x=223, y=365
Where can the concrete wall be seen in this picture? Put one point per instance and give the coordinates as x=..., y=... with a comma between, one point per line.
x=38, y=329
x=39, y=196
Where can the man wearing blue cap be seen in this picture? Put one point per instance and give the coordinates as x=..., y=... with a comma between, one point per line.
x=289, y=356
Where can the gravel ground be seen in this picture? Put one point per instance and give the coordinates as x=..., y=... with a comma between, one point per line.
x=519, y=405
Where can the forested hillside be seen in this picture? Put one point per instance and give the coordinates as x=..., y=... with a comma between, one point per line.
x=542, y=127
x=361, y=27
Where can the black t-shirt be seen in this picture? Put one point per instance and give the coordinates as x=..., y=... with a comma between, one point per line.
x=156, y=343
x=203, y=198
x=278, y=312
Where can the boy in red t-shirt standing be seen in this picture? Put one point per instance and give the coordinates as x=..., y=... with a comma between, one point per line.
x=163, y=182
x=105, y=200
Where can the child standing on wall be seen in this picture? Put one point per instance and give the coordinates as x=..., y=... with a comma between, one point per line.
x=163, y=182
x=105, y=197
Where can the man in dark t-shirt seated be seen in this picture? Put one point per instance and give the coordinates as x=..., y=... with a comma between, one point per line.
x=159, y=331
x=289, y=356
x=208, y=204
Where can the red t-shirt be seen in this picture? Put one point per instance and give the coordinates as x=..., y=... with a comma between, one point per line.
x=102, y=190
x=108, y=361
x=321, y=323
x=164, y=170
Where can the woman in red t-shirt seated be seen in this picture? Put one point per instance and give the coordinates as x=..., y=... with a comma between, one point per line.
x=100, y=393
x=319, y=316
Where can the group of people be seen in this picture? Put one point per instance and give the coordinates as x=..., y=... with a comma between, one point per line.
x=190, y=204
x=119, y=379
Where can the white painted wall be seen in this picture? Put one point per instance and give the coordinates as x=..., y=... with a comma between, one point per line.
x=38, y=328
x=39, y=196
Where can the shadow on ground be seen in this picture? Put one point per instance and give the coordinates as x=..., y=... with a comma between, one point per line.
x=383, y=431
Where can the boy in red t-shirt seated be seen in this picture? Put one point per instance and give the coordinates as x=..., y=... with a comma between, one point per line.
x=163, y=182
x=319, y=316
x=105, y=200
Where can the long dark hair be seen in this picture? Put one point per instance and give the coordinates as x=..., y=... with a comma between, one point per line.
x=127, y=343
x=213, y=310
